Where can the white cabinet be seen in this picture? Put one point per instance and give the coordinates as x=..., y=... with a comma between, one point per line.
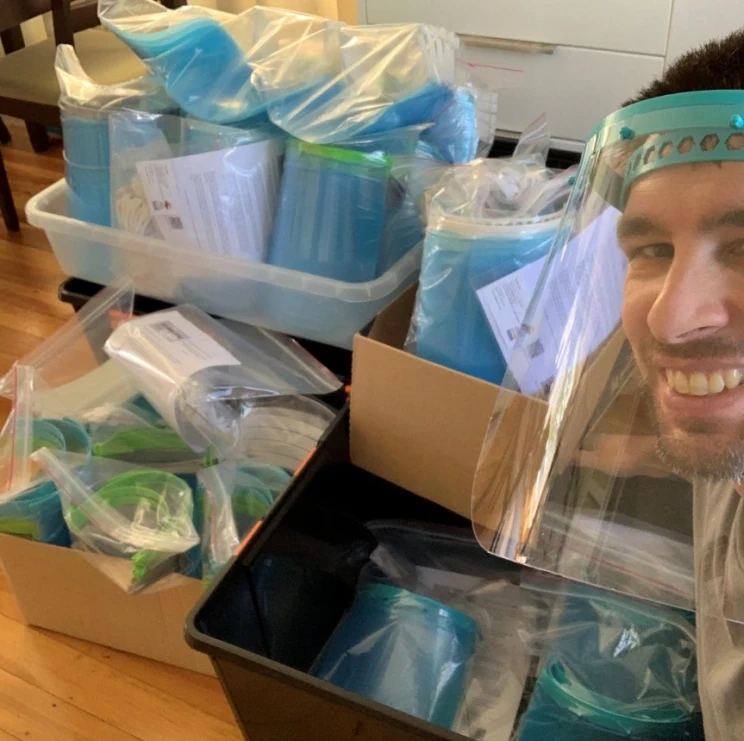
x=603, y=51
x=695, y=22
x=618, y=25
x=575, y=88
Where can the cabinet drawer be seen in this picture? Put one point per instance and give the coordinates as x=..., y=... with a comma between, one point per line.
x=575, y=88
x=639, y=26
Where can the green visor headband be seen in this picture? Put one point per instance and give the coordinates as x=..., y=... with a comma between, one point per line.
x=702, y=126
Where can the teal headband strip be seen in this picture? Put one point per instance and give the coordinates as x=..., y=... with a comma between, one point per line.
x=706, y=108
x=700, y=126
x=710, y=144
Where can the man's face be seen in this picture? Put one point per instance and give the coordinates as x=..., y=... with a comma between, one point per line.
x=683, y=234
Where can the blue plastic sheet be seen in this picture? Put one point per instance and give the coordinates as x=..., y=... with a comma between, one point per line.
x=85, y=108
x=486, y=220
x=205, y=58
x=373, y=79
x=452, y=326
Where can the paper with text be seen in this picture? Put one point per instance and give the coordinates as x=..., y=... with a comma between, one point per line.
x=579, y=308
x=221, y=202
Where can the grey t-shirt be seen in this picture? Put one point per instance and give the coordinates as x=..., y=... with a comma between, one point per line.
x=719, y=586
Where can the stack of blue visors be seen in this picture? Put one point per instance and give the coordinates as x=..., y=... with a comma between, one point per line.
x=321, y=81
x=85, y=107
x=616, y=669
x=337, y=206
x=403, y=650
x=352, y=99
x=485, y=222
x=205, y=58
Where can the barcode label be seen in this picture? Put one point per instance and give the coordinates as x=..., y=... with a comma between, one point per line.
x=523, y=329
x=535, y=349
x=175, y=223
x=546, y=388
x=169, y=331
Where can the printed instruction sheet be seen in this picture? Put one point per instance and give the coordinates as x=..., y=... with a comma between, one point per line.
x=221, y=202
x=579, y=308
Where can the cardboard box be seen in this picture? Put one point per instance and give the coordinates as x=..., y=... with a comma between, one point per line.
x=60, y=590
x=422, y=426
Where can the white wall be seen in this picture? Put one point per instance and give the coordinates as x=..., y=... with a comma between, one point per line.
x=696, y=21
x=327, y=8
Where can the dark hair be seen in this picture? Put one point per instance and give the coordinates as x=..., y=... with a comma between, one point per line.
x=718, y=65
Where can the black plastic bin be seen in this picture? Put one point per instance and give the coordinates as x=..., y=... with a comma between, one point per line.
x=267, y=617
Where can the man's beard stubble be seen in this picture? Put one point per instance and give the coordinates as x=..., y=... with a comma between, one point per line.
x=691, y=460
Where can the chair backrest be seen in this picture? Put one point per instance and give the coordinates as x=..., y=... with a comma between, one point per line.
x=84, y=14
x=67, y=16
x=15, y=12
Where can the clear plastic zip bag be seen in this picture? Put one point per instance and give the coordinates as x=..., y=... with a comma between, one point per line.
x=16, y=431
x=235, y=497
x=85, y=107
x=205, y=58
x=433, y=631
x=134, y=432
x=206, y=381
x=610, y=667
x=196, y=185
x=371, y=79
x=136, y=523
x=29, y=501
x=72, y=374
x=490, y=226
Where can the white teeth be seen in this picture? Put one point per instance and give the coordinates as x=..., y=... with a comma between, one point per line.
x=716, y=384
x=732, y=378
x=698, y=384
x=701, y=384
x=681, y=384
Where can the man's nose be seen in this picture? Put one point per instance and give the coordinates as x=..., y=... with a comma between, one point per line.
x=692, y=303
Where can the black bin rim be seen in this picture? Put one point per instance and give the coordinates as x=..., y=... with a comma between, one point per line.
x=247, y=552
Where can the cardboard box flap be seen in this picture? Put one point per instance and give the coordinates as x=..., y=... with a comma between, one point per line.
x=416, y=423
x=423, y=426
x=391, y=326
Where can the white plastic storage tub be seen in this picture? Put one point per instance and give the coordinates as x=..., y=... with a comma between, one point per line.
x=299, y=304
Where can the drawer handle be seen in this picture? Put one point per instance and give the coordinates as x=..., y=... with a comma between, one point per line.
x=525, y=47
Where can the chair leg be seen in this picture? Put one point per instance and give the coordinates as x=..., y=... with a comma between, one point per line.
x=4, y=133
x=7, y=207
x=37, y=133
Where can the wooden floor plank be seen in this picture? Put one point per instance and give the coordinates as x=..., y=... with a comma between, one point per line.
x=5, y=736
x=125, y=702
x=32, y=714
x=197, y=690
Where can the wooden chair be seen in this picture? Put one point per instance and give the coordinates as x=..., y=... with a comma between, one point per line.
x=28, y=84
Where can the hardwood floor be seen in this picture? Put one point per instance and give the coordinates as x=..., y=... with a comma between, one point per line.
x=55, y=688
x=29, y=274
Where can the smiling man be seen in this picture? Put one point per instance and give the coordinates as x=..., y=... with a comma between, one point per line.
x=677, y=176
x=654, y=238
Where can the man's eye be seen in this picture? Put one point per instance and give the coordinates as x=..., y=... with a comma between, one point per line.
x=652, y=252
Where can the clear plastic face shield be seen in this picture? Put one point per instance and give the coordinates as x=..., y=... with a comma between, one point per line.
x=623, y=388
